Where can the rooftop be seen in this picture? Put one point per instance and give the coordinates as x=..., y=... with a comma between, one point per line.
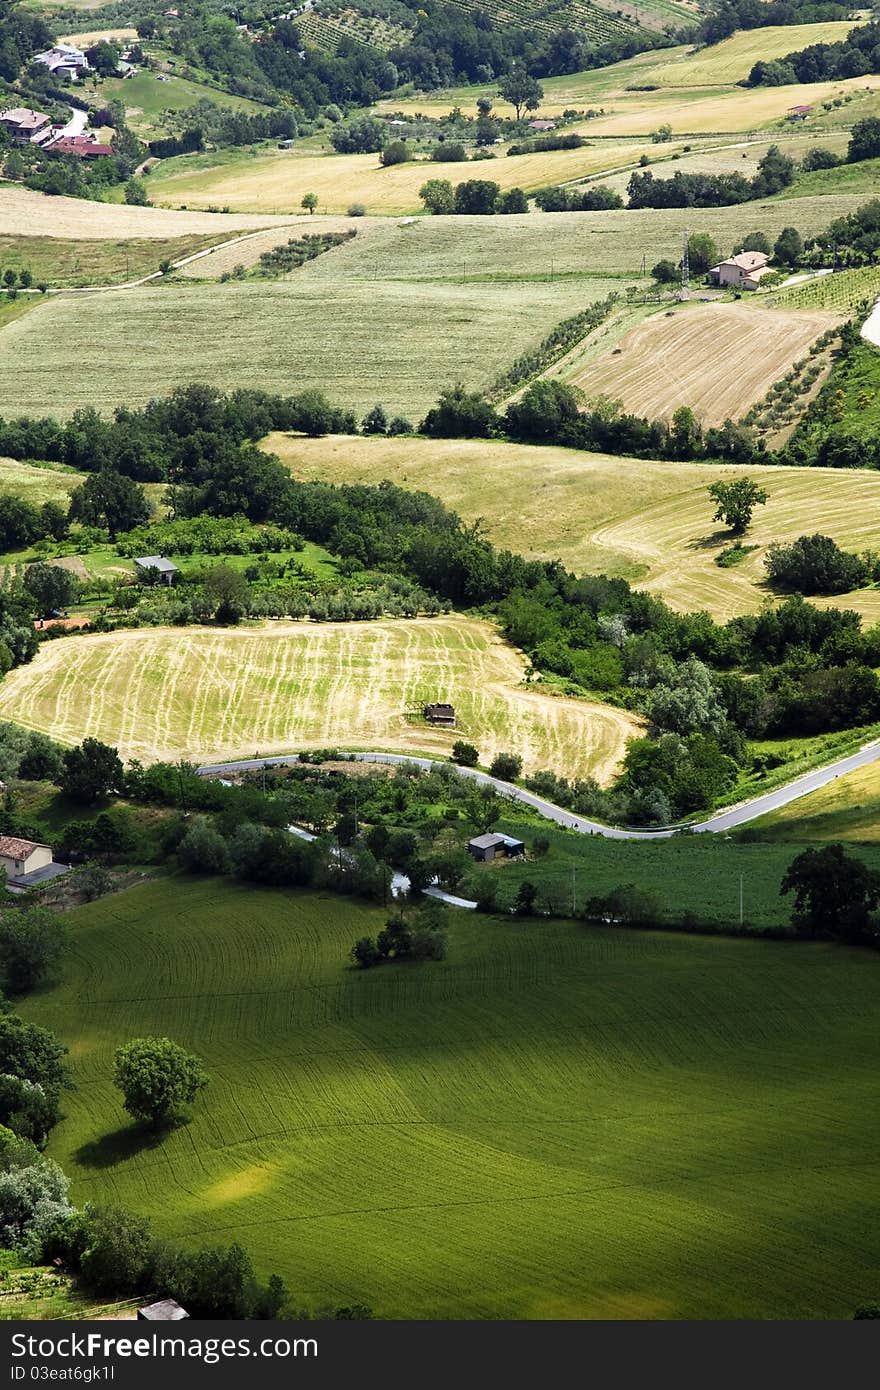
x=487, y=841
x=165, y=1310
x=748, y=260
x=23, y=117
x=156, y=562
x=11, y=847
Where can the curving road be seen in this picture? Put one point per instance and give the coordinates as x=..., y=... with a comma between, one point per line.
x=719, y=823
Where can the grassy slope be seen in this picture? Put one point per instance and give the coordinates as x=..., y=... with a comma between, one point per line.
x=733, y=58
x=554, y=1123
x=62, y=261
x=37, y=485
x=273, y=180
x=360, y=342
x=146, y=99
x=847, y=809
x=203, y=693
x=650, y=522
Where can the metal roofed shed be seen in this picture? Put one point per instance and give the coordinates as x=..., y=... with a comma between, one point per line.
x=165, y=569
x=493, y=845
x=166, y=1310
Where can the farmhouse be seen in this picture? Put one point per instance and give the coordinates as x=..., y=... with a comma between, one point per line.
x=741, y=272
x=542, y=125
x=63, y=60
x=22, y=856
x=23, y=125
x=485, y=848
x=81, y=146
x=444, y=715
x=148, y=566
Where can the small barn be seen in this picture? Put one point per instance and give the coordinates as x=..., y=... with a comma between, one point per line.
x=155, y=569
x=166, y=1310
x=441, y=714
x=486, y=848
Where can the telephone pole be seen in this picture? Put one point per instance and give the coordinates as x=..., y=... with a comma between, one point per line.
x=685, y=269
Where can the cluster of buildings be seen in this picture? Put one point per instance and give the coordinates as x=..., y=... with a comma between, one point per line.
x=64, y=60
x=26, y=127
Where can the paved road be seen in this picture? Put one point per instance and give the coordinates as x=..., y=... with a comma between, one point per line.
x=719, y=823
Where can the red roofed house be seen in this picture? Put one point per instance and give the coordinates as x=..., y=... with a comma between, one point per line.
x=19, y=857
x=741, y=272
x=542, y=125
x=22, y=124
x=82, y=146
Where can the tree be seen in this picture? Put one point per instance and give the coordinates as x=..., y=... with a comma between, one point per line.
x=757, y=241
x=397, y=152
x=157, y=1079
x=203, y=849
x=33, y=1196
x=685, y=700
x=815, y=565
x=665, y=272
x=736, y=501
x=310, y=201
x=365, y=953
x=513, y=201
x=32, y=942
x=375, y=421
x=702, y=252
x=32, y=1053
x=227, y=590
x=476, y=197
x=116, y=1258
x=864, y=140
x=819, y=158
x=506, y=766
x=51, y=587
x=438, y=197
x=788, y=247
x=522, y=91
x=136, y=193
x=108, y=499
x=834, y=894
x=866, y=1311
x=465, y=754
x=524, y=903
x=91, y=771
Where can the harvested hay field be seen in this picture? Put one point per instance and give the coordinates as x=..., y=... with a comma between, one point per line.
x=716, y=358
x=363, y=342
x=62, y=262
x=276, y=180
x=247, y=253
x=205, y=693
x=846, y=809
x=646, y=521
x=25, y=213
x=733, y=59
x=37, y=485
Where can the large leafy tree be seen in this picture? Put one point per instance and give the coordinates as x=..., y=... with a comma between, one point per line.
x=32, y=942
x=109, y=500
x=523, y=91
x=158, y=1079
x=834, y=894
x=736, y=501
x=91, y=771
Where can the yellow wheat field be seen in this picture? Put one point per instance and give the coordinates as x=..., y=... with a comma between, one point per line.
x=648, y=521
x=204, y=693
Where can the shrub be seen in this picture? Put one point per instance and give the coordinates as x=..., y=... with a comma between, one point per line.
x=506, y=766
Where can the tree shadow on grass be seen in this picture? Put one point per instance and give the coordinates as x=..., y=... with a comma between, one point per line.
x=713, y=541
x=120, y=1145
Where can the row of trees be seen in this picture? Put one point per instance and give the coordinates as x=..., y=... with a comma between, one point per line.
x=855, y=56
x=775, y=172
x=473, y=197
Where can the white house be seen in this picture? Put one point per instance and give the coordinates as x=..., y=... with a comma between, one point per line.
x=64, y=60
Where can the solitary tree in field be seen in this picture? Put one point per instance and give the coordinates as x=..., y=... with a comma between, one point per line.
x=702, y=252
x=310, y=201
x=834, y=895
x=736, y=501
x=158, y=1079
x=522, y=91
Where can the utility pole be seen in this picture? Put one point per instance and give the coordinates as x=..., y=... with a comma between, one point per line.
x=685, y=269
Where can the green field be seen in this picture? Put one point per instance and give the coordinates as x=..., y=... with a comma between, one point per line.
x=847, y=809
x=648, y=521
x=557, y=1122
x=147, y=99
